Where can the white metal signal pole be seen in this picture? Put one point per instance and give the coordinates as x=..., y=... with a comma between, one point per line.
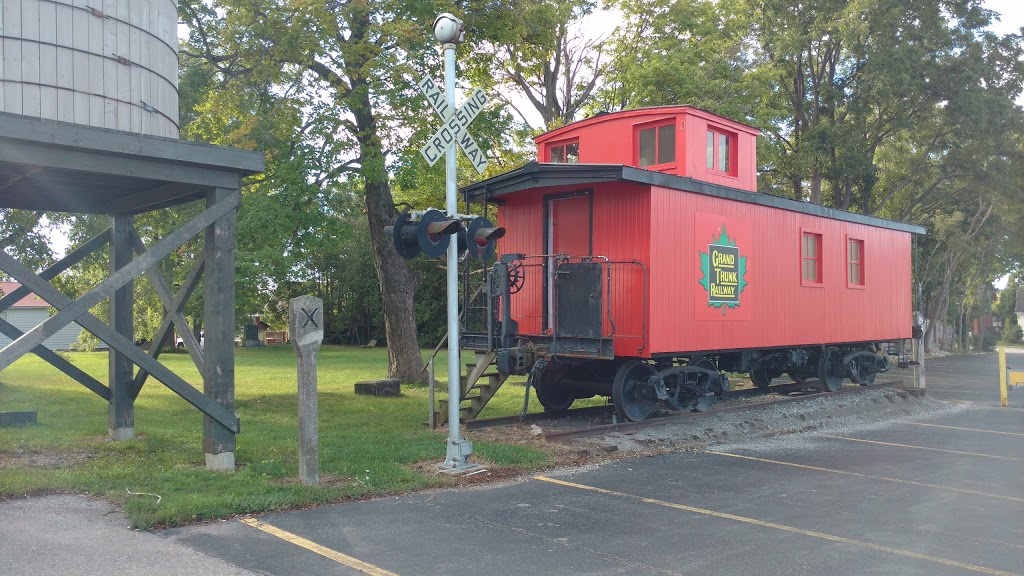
x=448, y=29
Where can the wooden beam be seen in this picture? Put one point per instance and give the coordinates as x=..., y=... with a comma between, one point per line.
x=90, y=161
x=163, y=334
x=147, y=200
x=104, y=289
x=58, y=362
x=164, y=292
x=121, y=412
x=75, y=137
x=113, y=339
x=29, y=170
x=51, y=272
x=219, y=318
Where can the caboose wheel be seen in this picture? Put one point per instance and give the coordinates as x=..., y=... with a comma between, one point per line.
x=828, y=379
x=797, y=377
x=720, y=385
x=549, y=392
x=760, y=377
x=629, y=405
x=863, y=372
x=866, y=377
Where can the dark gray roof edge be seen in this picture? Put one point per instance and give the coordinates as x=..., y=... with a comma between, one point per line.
x=45, y=132
x=534, y=174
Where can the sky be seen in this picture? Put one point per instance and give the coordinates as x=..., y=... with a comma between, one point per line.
x=1011, y=15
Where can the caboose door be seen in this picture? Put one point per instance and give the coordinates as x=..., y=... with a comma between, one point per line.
x=567, y=231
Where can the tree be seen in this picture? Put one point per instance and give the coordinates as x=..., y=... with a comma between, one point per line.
x=23, y=235
x=1005, y=309
x=541, y=50
x=695, y=52
x=349, y=64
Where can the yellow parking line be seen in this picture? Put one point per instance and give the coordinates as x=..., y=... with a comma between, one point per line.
x=301, y=542
x=924, y=448
x=967, y=429
x=783, y=527
x=887, y=479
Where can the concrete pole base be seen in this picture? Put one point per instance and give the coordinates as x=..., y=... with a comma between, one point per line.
x=457, y=461
x=460, y=469
x=119, y=434
x=223, y=462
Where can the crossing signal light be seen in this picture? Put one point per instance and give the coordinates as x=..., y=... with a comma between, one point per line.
x=403, y=233
x=482, y=237
x=429, y=235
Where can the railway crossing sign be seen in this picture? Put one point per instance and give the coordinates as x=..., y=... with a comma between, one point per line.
x=455, y=124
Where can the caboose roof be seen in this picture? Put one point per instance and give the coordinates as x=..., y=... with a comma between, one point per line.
x=544, y=175
x=639, y=113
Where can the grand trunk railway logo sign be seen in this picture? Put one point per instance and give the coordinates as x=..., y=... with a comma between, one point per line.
x=724, y=272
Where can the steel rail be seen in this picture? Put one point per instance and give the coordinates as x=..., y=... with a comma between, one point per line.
x=609, y=409
x=564, y=435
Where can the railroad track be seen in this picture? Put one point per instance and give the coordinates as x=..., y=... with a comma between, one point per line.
x=772, y=397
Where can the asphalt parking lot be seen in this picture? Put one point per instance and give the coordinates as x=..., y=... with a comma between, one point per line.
x=973, y=378
x=931, y=495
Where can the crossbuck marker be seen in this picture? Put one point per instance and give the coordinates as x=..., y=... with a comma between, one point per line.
x=454, y=129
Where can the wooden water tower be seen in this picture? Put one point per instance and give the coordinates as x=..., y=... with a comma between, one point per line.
x=89, y=125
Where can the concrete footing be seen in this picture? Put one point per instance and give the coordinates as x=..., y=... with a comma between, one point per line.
x=118, y=434
x=223, y=462
x=21, y=418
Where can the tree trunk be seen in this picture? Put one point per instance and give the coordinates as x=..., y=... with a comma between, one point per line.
x=939, y=310
x=397, y=282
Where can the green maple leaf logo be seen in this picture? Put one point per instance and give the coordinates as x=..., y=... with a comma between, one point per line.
x=705, y=268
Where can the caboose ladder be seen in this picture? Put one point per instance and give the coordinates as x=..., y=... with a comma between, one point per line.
x=478, y=387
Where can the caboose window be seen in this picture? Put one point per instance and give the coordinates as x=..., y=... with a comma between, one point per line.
x=565, y=153
x=720, y=149
x=855, y=262
x=657, y=145
x=811, y=258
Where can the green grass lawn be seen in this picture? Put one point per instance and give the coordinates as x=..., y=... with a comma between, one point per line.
x=368, y=445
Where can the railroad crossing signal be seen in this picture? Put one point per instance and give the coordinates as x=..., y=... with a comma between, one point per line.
x=428, y=232
x=455, y=124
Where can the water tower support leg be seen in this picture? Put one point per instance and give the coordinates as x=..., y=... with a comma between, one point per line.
x=121, y=409
x=219, y=314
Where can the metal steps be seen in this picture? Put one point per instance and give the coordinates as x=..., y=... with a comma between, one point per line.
x=478, y=387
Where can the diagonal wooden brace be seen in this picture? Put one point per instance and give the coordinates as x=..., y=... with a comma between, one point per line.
x=104, y=289
x=9, y=330
x=119, y=343
x=78, y=310
x=163, y=334
x=51, y=272
x=164, y=292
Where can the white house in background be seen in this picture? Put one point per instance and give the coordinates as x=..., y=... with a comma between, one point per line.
x=29, y=312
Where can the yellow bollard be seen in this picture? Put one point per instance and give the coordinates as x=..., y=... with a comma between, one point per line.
x=1003, y=400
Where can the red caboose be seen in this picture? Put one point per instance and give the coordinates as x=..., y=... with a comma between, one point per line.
x=640, y=262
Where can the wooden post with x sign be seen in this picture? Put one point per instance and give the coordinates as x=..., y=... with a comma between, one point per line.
x=306, y=328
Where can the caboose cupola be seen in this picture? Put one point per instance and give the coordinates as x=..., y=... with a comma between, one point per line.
x=680, y=140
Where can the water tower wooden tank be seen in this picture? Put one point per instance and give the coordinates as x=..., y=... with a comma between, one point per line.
x=103, y=63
